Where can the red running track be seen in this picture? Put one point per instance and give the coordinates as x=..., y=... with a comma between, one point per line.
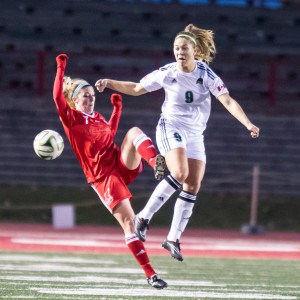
x=104, y=239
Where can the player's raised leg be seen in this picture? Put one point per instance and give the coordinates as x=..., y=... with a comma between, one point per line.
x=125, y=215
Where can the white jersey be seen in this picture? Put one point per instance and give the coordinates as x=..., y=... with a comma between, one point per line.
x=187, y=95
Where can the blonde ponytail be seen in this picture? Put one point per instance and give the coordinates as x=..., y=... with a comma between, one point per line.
x=69, y=86
x=204, y=41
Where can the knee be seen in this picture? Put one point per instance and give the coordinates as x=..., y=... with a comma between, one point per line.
x=180, y=175
x=133, y=132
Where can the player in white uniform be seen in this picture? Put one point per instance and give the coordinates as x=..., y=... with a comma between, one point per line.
x=187, y=83
x=187, y=106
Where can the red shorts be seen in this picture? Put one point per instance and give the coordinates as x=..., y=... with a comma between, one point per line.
x=114, y=188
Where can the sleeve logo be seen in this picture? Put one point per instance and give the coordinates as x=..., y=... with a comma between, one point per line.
x=221, y=87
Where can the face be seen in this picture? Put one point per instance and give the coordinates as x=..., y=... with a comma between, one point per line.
x=184, y=52
x=85, y=100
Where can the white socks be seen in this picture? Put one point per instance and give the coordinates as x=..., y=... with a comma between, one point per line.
x=163, y=191
x=182, y=211
x=183, y=208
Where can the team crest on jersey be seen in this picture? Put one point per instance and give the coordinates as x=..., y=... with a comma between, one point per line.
x=96, y=131
x=199, y=81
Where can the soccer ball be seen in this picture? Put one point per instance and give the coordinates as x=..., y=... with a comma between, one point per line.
x=48, y=144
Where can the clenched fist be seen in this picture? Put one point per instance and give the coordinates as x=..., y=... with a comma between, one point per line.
x=61, y=58
x=101, y=85
x=116, y=100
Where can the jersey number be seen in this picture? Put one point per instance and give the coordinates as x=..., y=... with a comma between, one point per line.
x=177, y=137
x=189, y=97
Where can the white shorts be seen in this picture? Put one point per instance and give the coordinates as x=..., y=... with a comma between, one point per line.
x=169, y=136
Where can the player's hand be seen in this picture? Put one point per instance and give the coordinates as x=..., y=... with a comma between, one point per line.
x=101, y=85
x=116, y=100
x=254, y=131
x=61, y=59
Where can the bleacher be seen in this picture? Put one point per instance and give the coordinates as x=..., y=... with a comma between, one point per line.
x=125, y=41
x=231, y=153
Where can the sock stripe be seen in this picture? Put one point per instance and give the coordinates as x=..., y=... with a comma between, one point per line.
x=130, y=238
x=187, y=194
x=140, y=139
x=187, y=197
x=173, y=182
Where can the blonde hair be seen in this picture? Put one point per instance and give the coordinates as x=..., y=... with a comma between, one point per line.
x=69, y=86
x=204, y=41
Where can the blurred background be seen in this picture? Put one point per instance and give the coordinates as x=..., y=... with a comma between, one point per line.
x=258, y=57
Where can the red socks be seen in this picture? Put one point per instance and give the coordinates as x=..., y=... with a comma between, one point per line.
x=138, y=251
x=145, y=148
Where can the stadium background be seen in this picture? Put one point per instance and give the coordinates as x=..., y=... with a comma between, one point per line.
x=258, y=58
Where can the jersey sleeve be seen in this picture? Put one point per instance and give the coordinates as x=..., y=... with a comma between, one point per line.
x=115, y=119
x=215, y=84
x=153, y=81
x=62, y=106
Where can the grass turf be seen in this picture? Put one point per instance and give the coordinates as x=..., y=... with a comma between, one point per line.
x=88, y=277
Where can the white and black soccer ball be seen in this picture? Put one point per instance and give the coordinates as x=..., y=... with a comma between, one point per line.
x=48, y=144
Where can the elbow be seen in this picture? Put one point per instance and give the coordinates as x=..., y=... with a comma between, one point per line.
x=137, y=94
x=138, y=90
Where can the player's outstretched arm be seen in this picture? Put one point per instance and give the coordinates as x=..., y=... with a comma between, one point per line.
x=116, y=101
x=236, y=110
x=61, y=60
x=58, y=96
x=124, y=87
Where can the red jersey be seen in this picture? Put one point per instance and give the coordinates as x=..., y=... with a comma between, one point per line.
x=91, y=136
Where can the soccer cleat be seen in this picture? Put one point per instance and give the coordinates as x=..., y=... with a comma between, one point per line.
x=157, y=282
x=174, y=248
x=160, y=167
x=140, y=227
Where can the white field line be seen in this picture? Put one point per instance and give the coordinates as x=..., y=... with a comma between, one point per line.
x=117, y=236
x=113, y=291
x=54, y=259
x=17, y=297
x=102, y=279
x=223, y=245
x=60, y=268
x=161, y=293
x=63, y=235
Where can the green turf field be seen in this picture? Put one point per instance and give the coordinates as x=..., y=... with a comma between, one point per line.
x=84, y=276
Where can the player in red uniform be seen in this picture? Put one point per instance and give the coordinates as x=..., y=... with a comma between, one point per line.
x=107, y=168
